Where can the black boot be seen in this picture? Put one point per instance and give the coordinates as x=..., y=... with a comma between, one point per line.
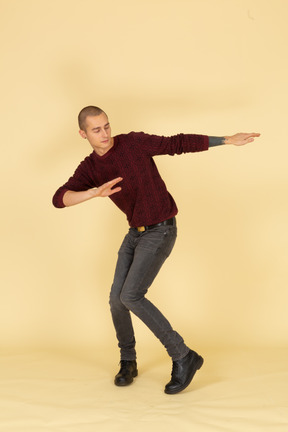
x=128, y=371
x=183, y=371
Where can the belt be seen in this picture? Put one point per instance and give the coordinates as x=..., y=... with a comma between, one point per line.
x=147, y=227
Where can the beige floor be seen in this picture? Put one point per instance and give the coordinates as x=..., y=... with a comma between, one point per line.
x=236, y=390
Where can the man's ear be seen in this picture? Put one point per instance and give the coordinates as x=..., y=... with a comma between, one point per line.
x=82, y=134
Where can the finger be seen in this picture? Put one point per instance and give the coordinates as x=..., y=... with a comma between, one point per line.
x=111, y=183
x=112, y=191
x=253, y=135
x=116, y=180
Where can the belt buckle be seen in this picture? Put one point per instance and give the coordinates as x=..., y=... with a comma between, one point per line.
x=141, y=229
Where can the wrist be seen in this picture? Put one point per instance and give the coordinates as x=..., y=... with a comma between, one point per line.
x=226, y=140
x=93, y=192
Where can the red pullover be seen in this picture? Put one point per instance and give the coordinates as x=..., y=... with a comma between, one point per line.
x=144, y=197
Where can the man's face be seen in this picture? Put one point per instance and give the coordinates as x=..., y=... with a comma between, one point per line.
x=98, y=133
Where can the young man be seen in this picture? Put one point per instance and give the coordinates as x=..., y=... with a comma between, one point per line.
x=122, y=168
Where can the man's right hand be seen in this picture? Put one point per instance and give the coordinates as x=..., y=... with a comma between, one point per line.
x=106, y=189
x=71, y=198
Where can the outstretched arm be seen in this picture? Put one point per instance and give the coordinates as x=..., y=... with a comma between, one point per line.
x=71, y=198
x=240, y=139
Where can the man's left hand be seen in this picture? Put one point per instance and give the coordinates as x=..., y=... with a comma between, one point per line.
x=240, y=139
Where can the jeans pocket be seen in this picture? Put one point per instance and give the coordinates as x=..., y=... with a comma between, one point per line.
x=169, y=239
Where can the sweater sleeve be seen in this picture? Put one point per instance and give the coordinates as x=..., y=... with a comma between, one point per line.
x=155, y=145
x=80, y=181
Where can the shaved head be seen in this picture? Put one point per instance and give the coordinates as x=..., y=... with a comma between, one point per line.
x=88, y=111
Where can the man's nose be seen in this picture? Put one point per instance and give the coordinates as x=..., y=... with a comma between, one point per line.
x=104, y=133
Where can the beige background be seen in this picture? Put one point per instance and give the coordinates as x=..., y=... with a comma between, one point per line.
x=211, y=67
x=201, y=66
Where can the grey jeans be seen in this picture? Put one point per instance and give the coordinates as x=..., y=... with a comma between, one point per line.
x=140, y=258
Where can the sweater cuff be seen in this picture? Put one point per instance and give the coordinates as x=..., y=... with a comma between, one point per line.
x=58, y=197
x=215, y=141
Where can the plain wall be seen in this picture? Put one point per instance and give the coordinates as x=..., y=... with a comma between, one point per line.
x=212, y=67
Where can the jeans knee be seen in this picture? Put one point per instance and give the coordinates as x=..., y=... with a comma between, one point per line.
x=115, y=302
x=129, y=301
